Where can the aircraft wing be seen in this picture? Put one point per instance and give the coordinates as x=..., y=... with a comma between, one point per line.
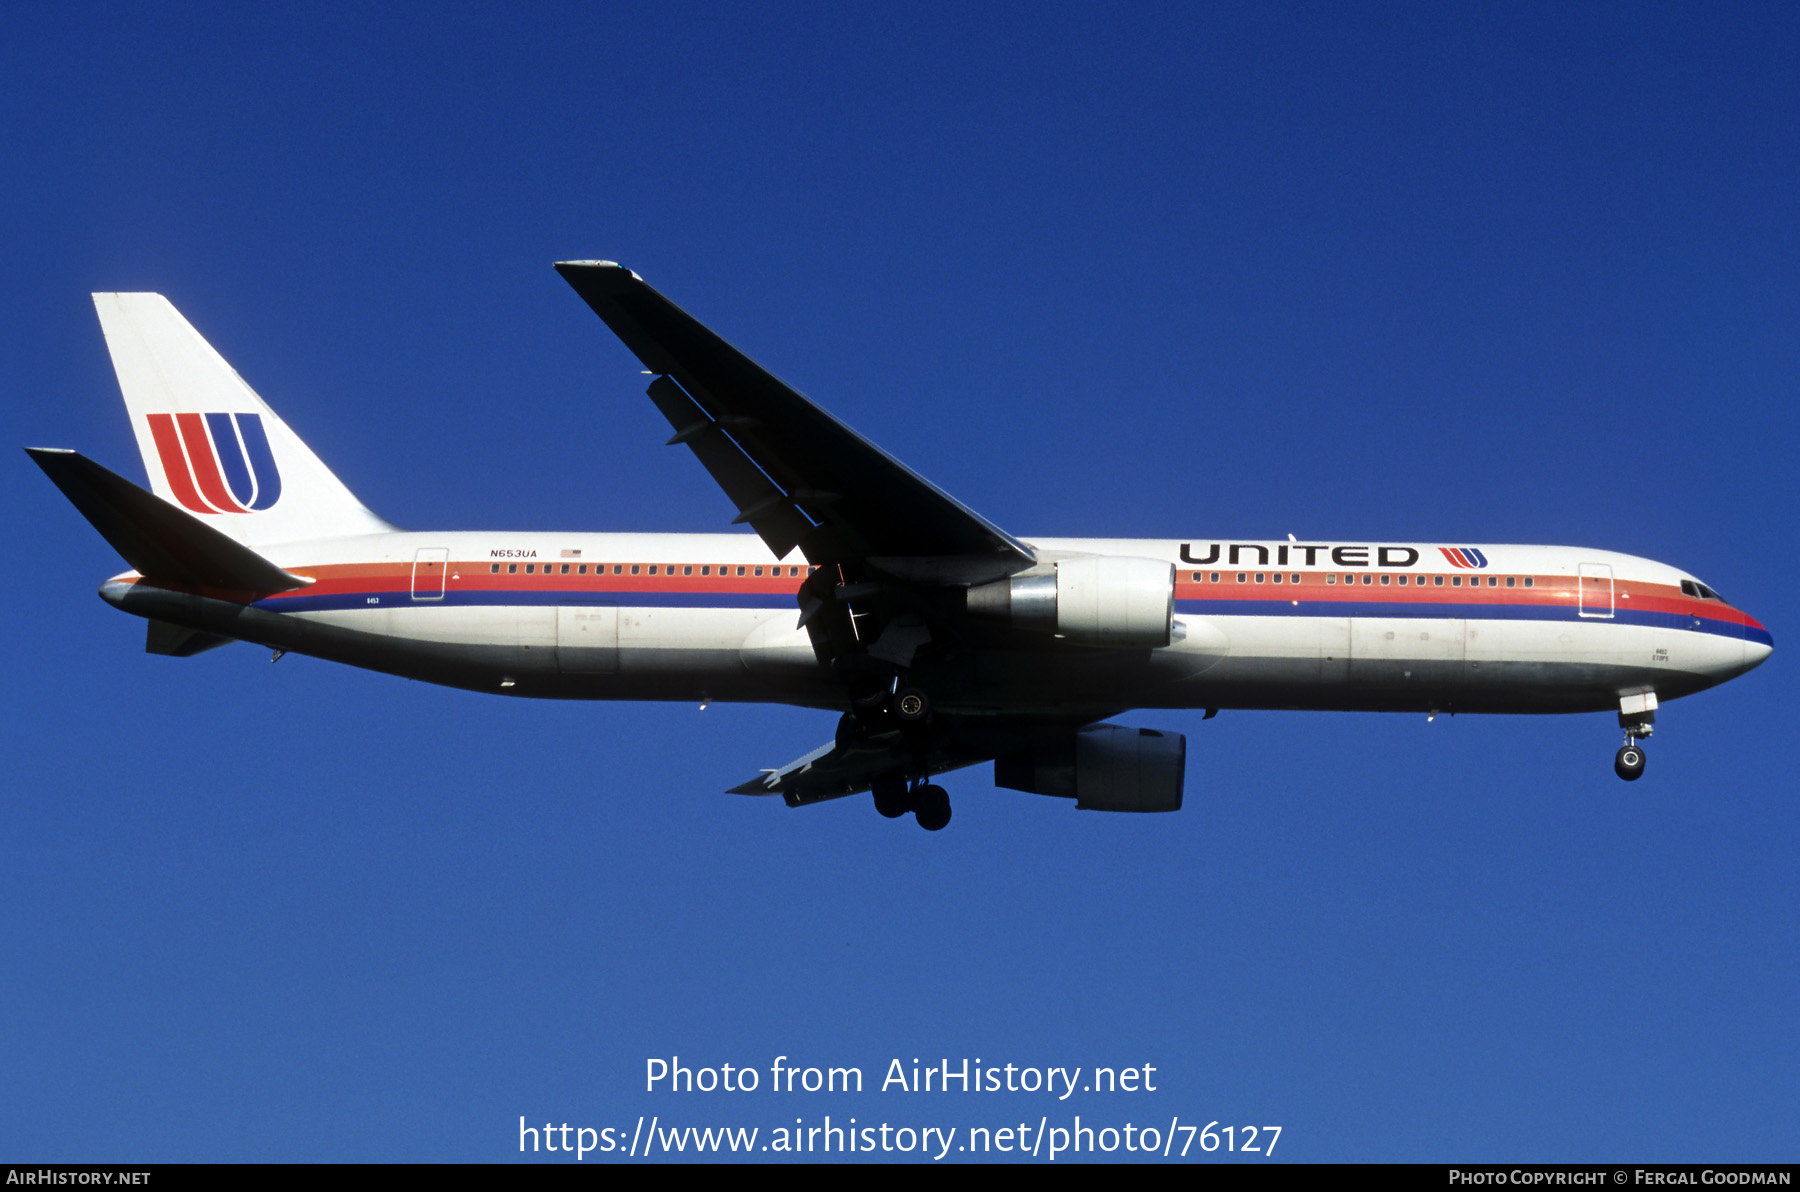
x=797, y=475
x=833, y=771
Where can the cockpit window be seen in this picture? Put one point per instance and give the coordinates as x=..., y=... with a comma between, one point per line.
x=1691, y=587
x=1707, y=593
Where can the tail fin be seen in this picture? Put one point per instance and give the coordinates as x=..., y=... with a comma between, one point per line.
x=209, y=443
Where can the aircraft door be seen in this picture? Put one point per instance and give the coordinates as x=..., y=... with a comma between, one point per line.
x=1595, y=588
x=429, y=567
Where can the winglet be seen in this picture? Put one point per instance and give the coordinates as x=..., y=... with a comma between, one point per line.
x=160, y=541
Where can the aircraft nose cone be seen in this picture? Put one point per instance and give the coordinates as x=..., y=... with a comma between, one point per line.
x=1758, y=644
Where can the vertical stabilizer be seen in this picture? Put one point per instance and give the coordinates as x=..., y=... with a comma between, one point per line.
x=209, y=443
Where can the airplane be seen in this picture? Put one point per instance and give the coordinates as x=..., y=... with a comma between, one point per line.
x=941, y=640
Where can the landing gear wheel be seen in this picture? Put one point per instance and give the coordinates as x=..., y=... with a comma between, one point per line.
x=910, y=706
x=891, y=797
x=931, y=807
x=1629, y=764
x=868, y=701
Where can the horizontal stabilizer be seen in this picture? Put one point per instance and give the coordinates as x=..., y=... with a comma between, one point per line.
x=160, y=541
x=178, y=641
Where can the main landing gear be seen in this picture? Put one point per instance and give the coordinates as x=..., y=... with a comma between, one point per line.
x=1637, y=716
x=907, y=707
x=899, y=717
x=928, y=802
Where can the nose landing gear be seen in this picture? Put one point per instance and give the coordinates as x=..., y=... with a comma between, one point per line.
x=1637, y=716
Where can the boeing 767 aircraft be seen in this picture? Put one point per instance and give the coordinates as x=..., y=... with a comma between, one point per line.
x=940, y=639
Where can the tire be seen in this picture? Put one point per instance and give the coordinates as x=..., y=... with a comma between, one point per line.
x=869, y=699
x=910, y=706
x=933, y=808
x=1629, y=764
x=891, y=797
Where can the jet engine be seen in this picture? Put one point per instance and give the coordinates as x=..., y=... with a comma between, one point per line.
x=1103, y=767
x=1095, y=600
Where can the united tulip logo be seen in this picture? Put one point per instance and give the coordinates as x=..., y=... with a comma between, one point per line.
x=1465, y=556
x=217, y=463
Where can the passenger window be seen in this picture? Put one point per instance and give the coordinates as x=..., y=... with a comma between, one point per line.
x=1242, y=577
x=618, y=569
x=1276, y=577
x=1215, y=577
x=1332, y=578
x=1196, y=577
x=1368, y=579
x=1456, y=581
x=565, y=569
x=1510, y=581
x=1528, y=580
x=494, y=569
x=1293, y=579
x=759, y=571
x=512, y=569
x=740, y=571
x=634, y=568
x=1386, y=580
x=1437, y=581
x=687, y=571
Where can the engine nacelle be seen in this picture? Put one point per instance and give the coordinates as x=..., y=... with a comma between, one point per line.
x=1095, y=600
x=1104, y=767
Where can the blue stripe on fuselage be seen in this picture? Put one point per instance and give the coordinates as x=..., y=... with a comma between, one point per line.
x=299, y=601
x=1468, y=612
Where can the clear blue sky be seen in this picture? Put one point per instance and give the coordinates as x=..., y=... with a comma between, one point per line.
x=1503, y=273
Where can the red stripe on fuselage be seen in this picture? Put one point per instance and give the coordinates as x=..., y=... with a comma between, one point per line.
x=1547, y=590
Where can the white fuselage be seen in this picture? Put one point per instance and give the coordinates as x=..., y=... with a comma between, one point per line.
x=1414, y=627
